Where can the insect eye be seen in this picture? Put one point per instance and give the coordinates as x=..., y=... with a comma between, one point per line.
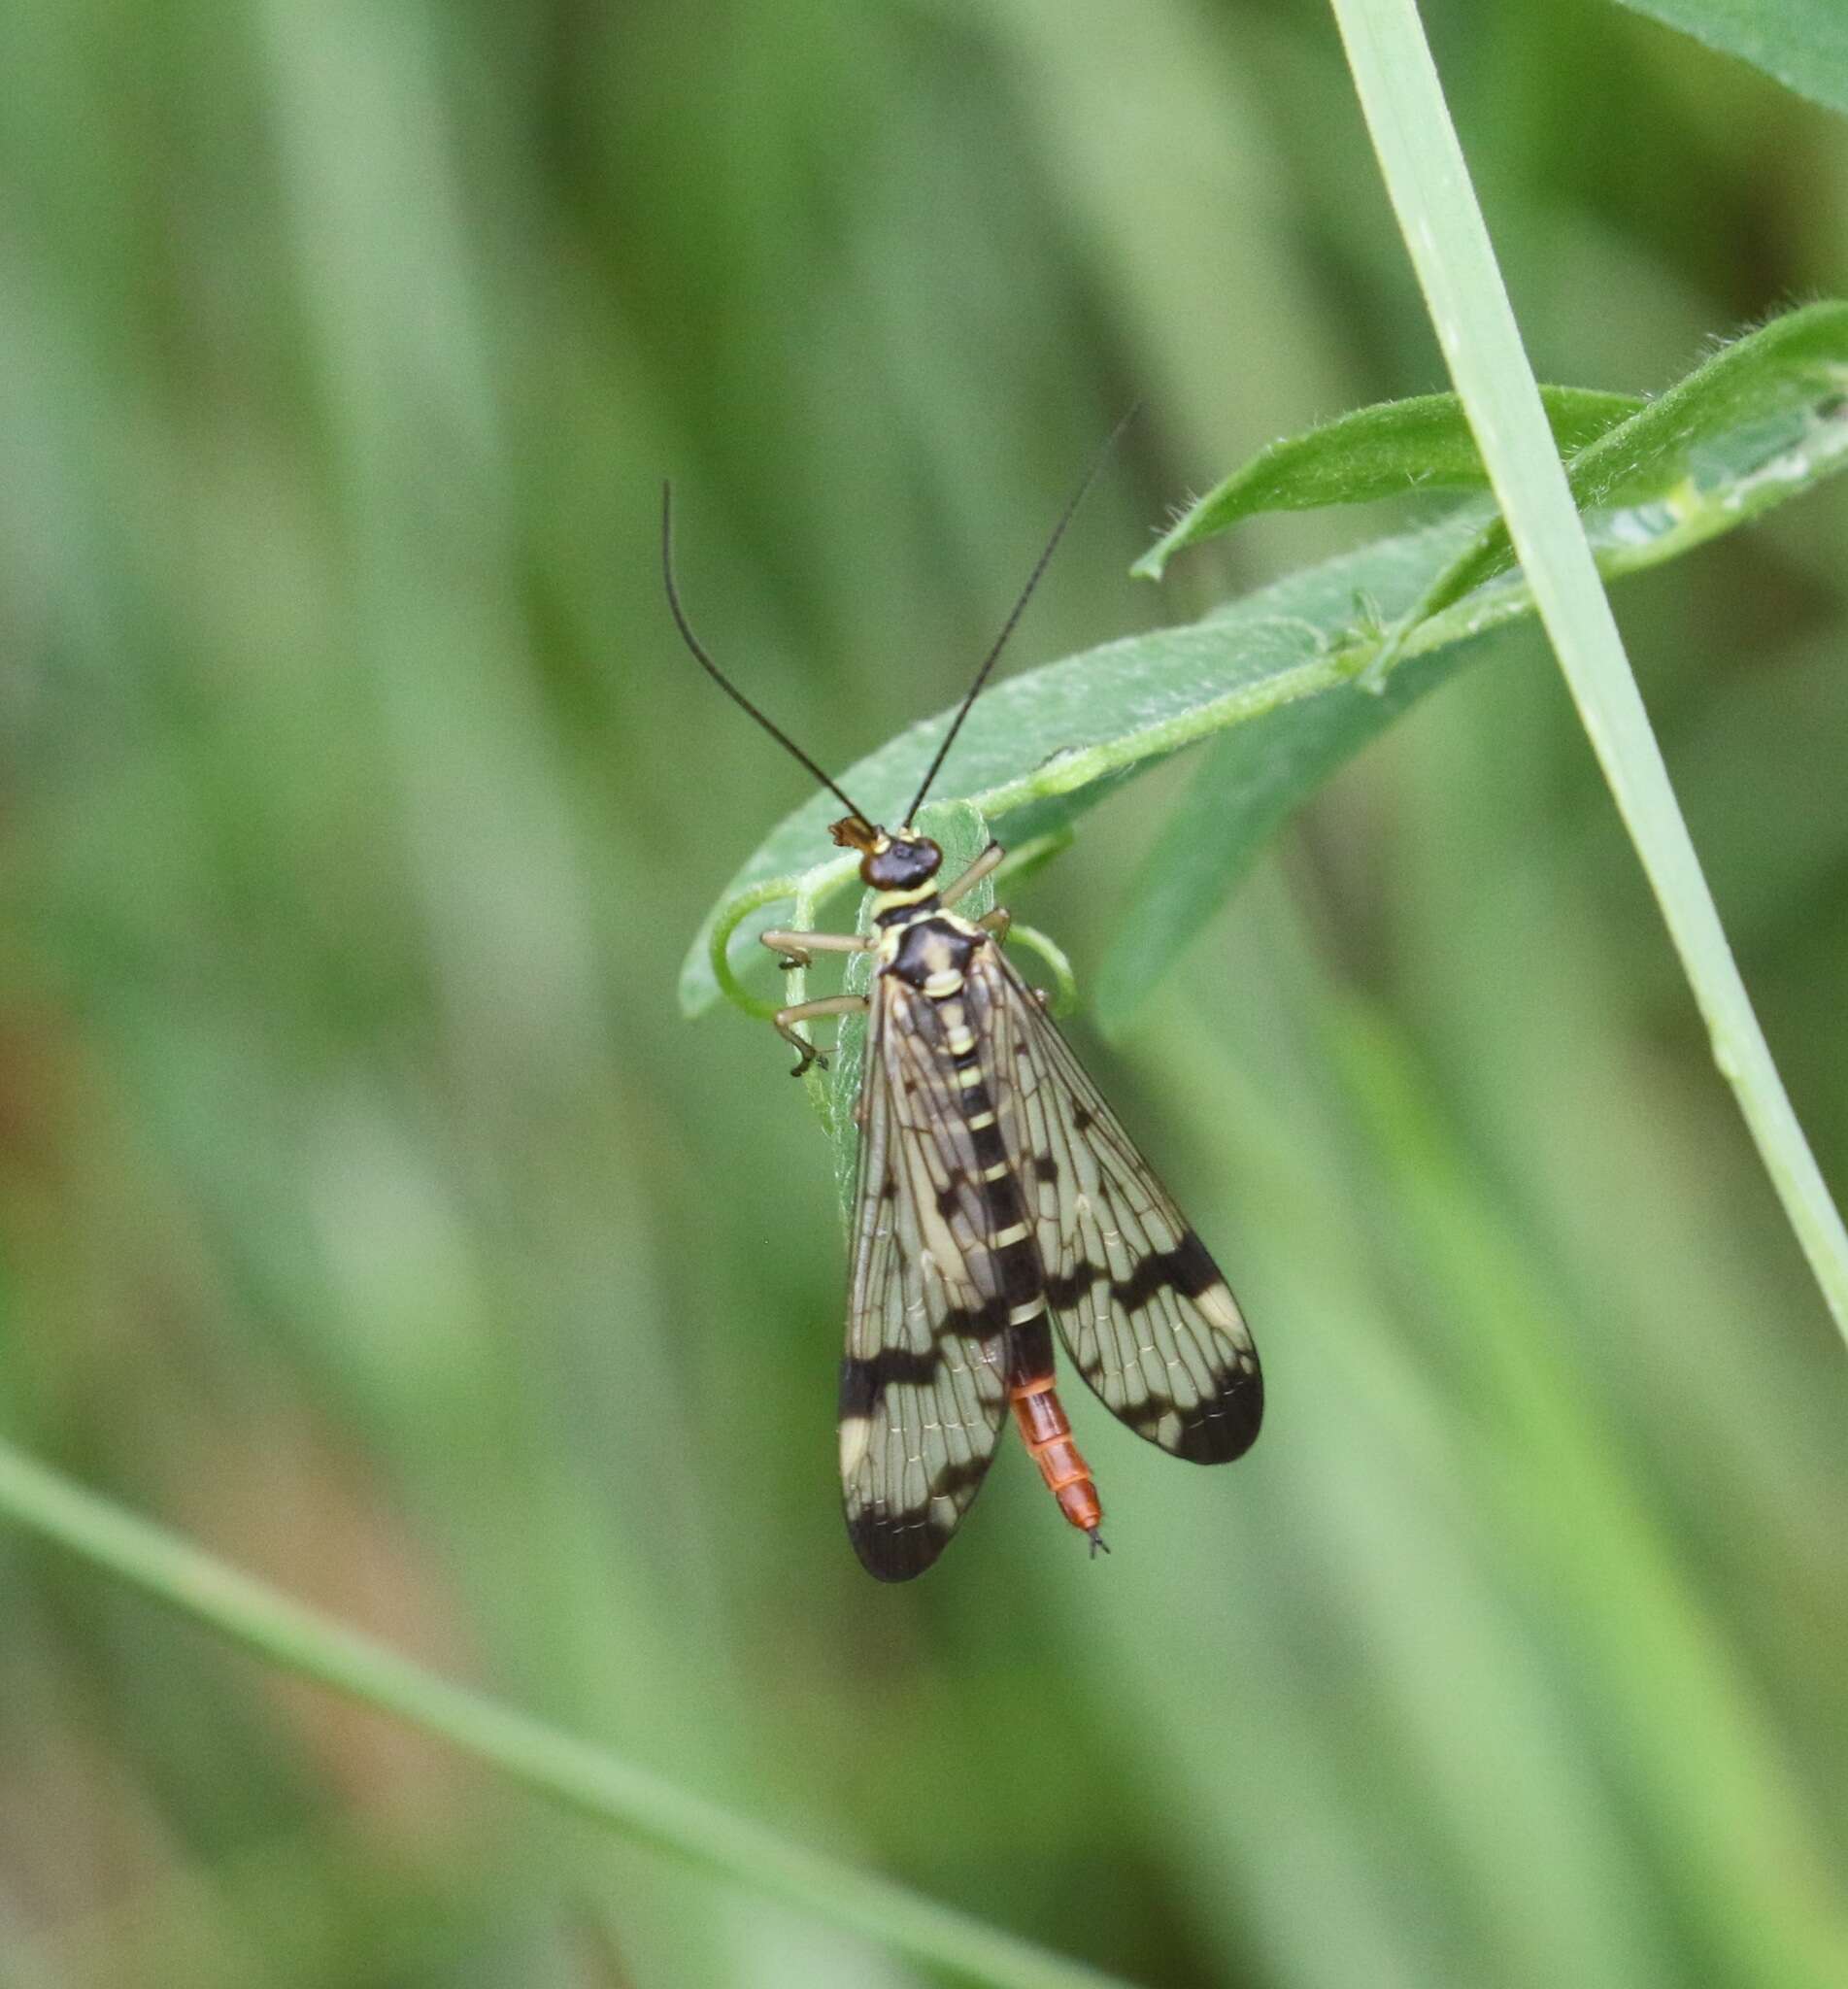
x=922, y=859
x=902, y=865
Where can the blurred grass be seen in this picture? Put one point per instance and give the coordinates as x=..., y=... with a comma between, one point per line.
x=367, y=1211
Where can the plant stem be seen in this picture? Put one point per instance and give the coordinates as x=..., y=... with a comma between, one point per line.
x=1429, y=184
x=565, y=1771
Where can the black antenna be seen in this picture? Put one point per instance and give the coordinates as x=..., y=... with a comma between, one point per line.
x=719, y=676
x=1019, y=608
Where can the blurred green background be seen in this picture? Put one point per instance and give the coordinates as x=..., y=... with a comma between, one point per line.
x=369, y=1212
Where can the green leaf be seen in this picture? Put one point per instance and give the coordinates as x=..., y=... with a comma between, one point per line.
x=1378, y=452
x=1802, y=42
x=1042, y=746
x=1761, y=408
x=1761, y=421
x=1718, y=445
x=1248, y=783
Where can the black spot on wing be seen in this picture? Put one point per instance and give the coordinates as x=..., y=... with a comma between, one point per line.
x=983, y=1321
x=959, y=1482
x=1227, y=1425
x=864, y=1381
x=1224, y=1422
x=1066, y=1290
x=1221, y=1426
x=1186, y=1268
x=894, y=1542
x=896, y=1547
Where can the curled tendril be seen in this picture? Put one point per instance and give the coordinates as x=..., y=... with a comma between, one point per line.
x=1064, y=988
x=736, y=912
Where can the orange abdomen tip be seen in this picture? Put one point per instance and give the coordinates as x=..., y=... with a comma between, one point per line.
x=1047, y=1434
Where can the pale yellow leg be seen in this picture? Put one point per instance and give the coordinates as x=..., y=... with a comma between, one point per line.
x=787, y=1019
x=973, y=875
x=798, y=949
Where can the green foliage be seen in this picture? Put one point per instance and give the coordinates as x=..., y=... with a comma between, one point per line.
x=601, y=1785
x=1802, y=42
x=1427, y=179
x=372, y=1222
x=1768, y=411
x=1250, y=781
x=1760, y=423
x=1423, y=443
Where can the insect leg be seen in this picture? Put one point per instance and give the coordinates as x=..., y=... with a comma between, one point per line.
x=798, y=949
x=972, y=876
x=786, y=1020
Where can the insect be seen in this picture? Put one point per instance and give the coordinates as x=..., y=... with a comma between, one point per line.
x=998, y=1196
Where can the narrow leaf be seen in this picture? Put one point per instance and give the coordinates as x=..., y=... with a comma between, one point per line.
x=620, y=1794
x=1733, y=423
x=1424, y=444
x=1760, y=409
x=1427, y=182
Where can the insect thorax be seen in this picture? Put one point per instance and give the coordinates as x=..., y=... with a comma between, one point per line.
x=924, y=945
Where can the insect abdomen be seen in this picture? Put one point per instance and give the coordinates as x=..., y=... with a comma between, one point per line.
x=1047, y=1434
x=1021, y=1274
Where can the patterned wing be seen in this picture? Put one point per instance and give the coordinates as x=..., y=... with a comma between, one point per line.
x=1143, y=1310
x=923, y=1389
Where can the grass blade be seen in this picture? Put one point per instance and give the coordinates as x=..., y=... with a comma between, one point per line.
x=564, y=1770
x=1430, y=187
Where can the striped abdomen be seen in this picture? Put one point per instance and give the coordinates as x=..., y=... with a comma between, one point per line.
x=933, y=958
